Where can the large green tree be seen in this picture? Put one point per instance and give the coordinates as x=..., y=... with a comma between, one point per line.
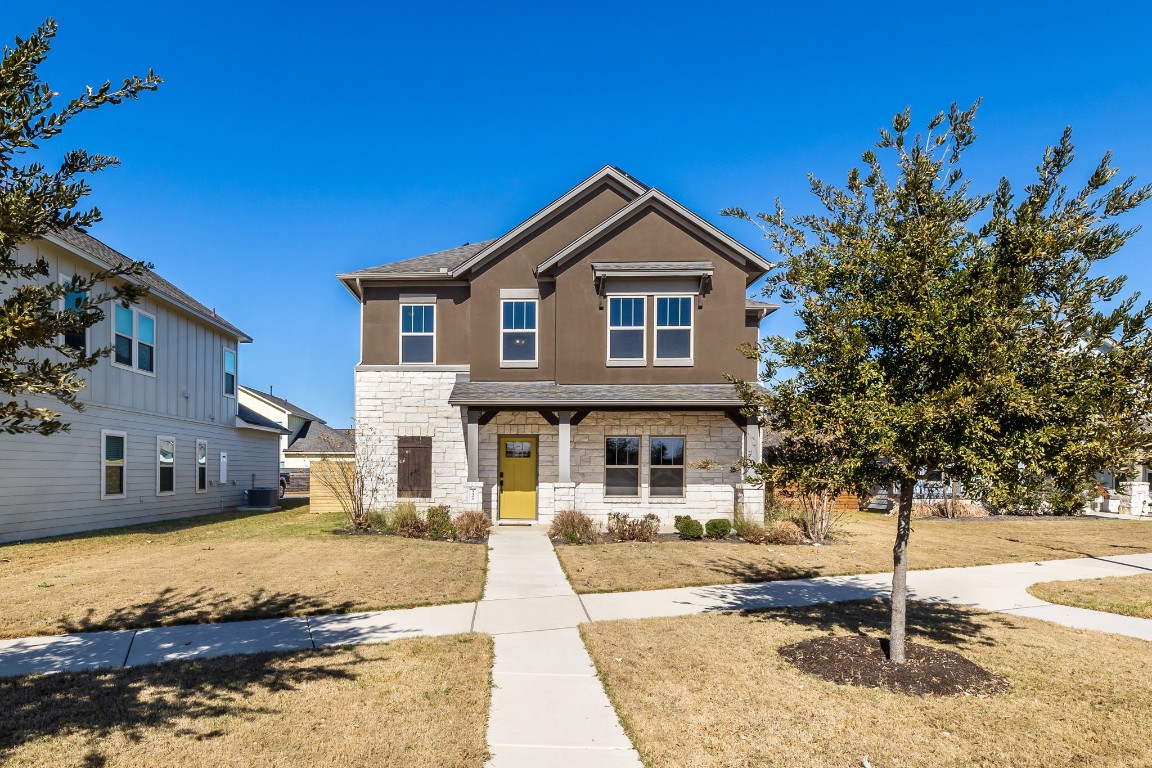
x=36, y=200
x=944, y=330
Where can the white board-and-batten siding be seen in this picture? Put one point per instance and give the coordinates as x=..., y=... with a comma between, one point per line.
x=52, y=485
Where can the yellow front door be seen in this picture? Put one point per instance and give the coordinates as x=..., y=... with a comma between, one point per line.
x=517, y=478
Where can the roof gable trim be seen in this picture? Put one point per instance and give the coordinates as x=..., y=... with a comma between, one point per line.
x=607, y=173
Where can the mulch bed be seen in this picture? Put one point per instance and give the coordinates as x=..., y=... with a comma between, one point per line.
x=863, y=661
x=374, y=532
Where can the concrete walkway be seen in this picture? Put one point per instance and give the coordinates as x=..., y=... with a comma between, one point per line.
x=548, y=706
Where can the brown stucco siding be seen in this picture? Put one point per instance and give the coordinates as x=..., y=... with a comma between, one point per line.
x=515, y=269
x=381, y=324
x=720, y=325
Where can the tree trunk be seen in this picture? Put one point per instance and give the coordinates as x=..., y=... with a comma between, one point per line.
x=900, y=573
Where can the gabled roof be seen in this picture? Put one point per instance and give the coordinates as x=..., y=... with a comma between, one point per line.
x=89, y=247
x=253, y=420
x=281, y=403
x=608, y=173
x=654, y=198
x=318, y=437
x=432, y=264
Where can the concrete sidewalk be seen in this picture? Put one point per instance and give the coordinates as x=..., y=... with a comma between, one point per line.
x=548, y=705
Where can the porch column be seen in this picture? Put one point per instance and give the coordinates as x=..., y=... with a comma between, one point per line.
x=473, y=445
x=752, y=441
x=565, y=454
x=751, y=497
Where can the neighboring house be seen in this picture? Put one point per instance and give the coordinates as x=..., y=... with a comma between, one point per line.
x=294, y=419
x=161, y=434
x=576, y=361
x=318, y=442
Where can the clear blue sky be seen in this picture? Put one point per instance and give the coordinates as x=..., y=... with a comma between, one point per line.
x=292, y=141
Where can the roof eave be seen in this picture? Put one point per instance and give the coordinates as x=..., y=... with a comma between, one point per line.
x=240, y=335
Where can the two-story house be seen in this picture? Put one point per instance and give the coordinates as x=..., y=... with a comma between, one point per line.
x=575, y=362
x=161, y=434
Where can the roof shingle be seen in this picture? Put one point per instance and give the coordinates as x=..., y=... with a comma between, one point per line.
x=431, y=263
x=550, y=394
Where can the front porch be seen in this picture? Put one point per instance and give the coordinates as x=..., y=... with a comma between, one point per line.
x=674, y=449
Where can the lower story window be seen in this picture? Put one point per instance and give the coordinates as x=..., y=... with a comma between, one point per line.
x=165, y=465
x=113, y=457
x=414, y=467
x=666, y=471
x=201, y=466
x=622, y=466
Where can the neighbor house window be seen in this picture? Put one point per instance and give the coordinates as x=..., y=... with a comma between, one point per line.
x=113, y=457
x=666, y=471
x=626, y=341
x=673, y=329
x=622, y=466
x=518, y=333
x=417, y=333
x=74, y=301
x=201, y=466
x=165, y=466
x=230, y=372
x=134, y=339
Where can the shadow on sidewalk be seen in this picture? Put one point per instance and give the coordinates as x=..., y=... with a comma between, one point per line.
x=167, y=700
x=203, y=606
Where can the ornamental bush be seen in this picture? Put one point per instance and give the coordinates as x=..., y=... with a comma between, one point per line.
x=691, y=530
x=718, y=528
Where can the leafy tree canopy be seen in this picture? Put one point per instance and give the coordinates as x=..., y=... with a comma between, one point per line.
x=950, y=330
x=35, y=201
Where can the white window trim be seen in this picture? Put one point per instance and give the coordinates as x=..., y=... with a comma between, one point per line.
x=636, y=362
x=682, y=466
x=159, y=464
x=196, y=466
x=639, y=469
x=656, y=328
x=402, y=334
x=535, y=361
x=224, y=372
x=104, y=435
x=136, y=312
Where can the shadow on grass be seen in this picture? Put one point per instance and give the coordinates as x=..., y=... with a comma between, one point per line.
x=203, y=606
x=742, y=570
x=174, y=699
x=941, y=623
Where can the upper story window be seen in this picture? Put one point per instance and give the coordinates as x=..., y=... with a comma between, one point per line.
x=518, y=333
x=673, y=330
x=626, y=336
x=417, y=333
x=134, y=339
x=230, y=372
x=74, y=302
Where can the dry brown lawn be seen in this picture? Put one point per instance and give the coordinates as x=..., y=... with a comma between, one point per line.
x=711, y=691
x=224, y=568
x=1127, y=595
x=421, y=703
x=864, y=546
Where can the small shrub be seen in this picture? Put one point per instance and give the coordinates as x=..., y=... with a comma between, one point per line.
x=574, y=527
x=718, y=528
x=680, y=520
x=381, y=520
x=691, y=530
x=784, y=532
x=438, y=522
x=473, y=525
x=623, y=528
x=406, y=521
x=750, y=531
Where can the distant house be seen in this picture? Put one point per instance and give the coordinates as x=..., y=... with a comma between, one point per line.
x=162, y=434
x=577, y=361
x=294, y=419
x=318, y=442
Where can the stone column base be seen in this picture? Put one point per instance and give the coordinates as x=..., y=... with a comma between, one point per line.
x=750, y=502
x=1135, y=497
x=473, y=496
x=564, y=497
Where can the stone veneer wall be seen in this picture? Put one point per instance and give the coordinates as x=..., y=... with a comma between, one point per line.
x=708, y=493
x=391, y=403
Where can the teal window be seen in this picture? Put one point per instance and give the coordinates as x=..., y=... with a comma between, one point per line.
x=134, y=339
x=230, y=372
x=76, y=301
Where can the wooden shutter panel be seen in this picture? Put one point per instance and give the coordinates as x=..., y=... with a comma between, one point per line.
x=414, y=467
